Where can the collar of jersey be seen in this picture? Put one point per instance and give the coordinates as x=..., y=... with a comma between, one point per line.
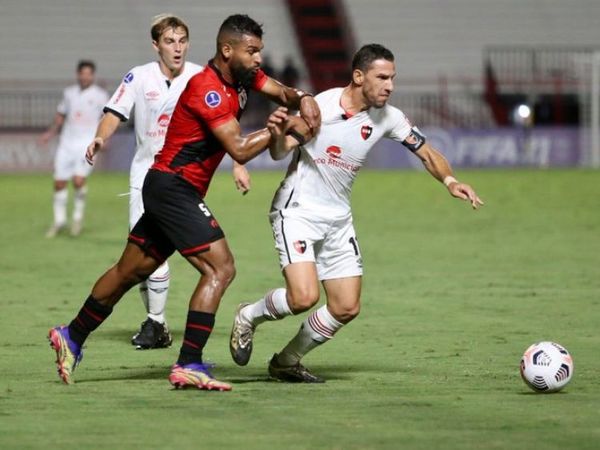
x=220, y=75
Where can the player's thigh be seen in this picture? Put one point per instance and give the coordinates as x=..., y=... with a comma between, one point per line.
x=302, y=284
x=136, y=261
x=64, y=164
x=179, y=211
x=148, y=236
x=339, y=255
x=296, y=235
x=343, y=296
x=216, y=260
x=81, y=168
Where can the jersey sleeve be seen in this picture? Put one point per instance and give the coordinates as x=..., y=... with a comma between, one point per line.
x=209, y=103
x=63, y=106
x=259, y=80
x=123, y=99
x=403, y=131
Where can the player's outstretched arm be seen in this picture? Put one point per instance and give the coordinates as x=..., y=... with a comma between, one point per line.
x=241, y=148
x=294, y=99
x=438, y=166
x=53, y=129
x=287, y=133
x=106, y=128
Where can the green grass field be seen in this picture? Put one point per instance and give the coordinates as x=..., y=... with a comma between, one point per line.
x=451, y=299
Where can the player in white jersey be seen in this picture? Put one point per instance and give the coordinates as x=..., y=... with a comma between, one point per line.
x=153, y=89
x=311, y=216
x=76, y=117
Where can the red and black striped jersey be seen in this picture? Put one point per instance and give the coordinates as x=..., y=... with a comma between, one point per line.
x=191, y=149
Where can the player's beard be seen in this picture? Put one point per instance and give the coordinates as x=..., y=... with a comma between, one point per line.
x=243, y=75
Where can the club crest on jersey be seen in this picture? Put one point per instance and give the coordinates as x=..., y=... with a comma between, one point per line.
x=242, y=98
x=128, y=78
x=212, y=99
x=365, y=131
x=300, y=246
x=333, y=151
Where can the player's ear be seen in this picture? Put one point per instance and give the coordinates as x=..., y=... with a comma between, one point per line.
x=358, y=77
x=226, y=50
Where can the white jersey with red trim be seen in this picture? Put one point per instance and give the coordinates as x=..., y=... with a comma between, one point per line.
x=322, y=171
x=154, y=98
x=82, y=109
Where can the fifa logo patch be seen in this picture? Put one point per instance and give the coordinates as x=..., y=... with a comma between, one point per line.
x=365, y=131
x=300, y=246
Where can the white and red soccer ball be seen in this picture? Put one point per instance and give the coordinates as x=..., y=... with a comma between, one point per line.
x=546, y=367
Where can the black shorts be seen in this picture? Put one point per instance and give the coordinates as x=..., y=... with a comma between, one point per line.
x=175, y=218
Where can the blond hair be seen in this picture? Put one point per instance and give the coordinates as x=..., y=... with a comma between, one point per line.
x=164, y=22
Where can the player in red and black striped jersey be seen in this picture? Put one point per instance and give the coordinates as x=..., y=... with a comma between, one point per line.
x=204, y=126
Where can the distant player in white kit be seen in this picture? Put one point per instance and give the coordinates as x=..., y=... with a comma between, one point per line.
x=76, y=117
x=153, y=89
x=311, y=216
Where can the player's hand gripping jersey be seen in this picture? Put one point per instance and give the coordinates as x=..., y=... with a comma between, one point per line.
x=154, y=97
x=190, y=149
x=322, y=171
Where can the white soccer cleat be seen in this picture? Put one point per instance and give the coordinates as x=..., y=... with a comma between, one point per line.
x=240, y=341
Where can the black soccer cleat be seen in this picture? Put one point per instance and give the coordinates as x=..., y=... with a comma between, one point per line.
x=292, y=374
x=152, y=334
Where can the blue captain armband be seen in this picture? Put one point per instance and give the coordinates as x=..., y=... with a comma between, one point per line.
x=415, y=140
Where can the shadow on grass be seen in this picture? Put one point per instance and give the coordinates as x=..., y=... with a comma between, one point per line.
x=231, y=374
x=125, y=335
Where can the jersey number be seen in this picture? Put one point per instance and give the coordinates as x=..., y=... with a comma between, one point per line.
x=354, y=241
x=204, y=209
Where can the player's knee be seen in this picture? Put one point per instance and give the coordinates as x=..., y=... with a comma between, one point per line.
x=345, y=313
x=302, y=299
x=224, y=273
x=59, y=185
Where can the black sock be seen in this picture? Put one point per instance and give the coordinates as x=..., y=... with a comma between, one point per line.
x=90, y=316
x=197, y=331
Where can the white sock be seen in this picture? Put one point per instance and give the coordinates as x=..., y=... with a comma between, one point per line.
x=60, y=207
x=317, y=329
x=158, y=289
x=143, y=286
x=79, y=203
x=273, y=306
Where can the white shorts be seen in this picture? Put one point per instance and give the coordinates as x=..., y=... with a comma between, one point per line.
x=136, y=206
x=70, y=162
x=305, y=236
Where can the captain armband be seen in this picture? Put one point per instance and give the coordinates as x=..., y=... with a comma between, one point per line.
x=415, y=140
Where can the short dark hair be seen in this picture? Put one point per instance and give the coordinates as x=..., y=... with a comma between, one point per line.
x=86, y=63
x=364, y=57
x=241, y=24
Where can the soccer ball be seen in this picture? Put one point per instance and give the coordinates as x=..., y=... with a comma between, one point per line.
x=546, y=367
